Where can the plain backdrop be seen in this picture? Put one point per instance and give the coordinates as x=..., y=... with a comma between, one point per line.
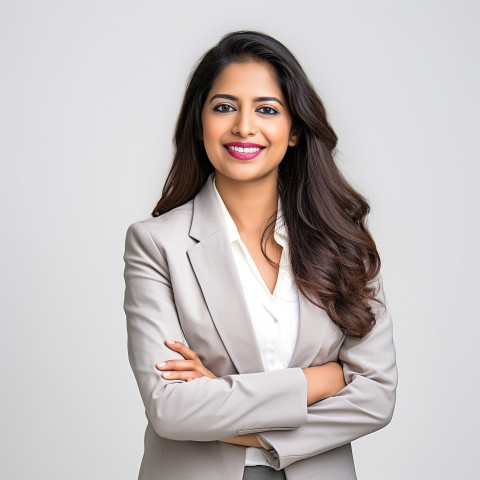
x=90, y=92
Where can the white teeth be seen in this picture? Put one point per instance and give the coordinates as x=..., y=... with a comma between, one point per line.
x=244, y=150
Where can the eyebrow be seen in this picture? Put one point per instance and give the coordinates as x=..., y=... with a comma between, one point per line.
x=256, y=99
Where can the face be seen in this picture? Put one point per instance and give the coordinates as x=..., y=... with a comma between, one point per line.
x=246, y=122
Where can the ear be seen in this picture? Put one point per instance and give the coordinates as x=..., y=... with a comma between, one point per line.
x=294, y=135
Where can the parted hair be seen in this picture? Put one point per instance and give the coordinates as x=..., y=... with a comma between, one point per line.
x=333, y=256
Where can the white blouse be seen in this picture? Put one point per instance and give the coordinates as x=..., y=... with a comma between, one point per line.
x=274, y=316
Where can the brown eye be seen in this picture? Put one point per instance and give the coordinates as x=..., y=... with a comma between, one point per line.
x=268, y=110
x=224, y=107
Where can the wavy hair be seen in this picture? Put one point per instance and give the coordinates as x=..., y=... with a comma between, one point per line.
x=333, y=256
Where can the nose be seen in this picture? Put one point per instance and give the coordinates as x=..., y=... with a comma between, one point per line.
x=244, y=124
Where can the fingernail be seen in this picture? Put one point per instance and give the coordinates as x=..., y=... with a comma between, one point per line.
x=161, y=364
x=171, y=341
x=166, y=374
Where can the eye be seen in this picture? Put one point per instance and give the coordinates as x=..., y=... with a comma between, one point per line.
x=268, y=110
x=223, y=107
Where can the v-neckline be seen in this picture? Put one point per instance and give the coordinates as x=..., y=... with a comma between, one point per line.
x=257, y=271
x=228, y=218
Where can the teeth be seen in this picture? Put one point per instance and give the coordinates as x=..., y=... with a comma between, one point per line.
x=244, y=150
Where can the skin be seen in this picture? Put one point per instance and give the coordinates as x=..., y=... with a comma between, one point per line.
x=249, y=188
x=249, y=191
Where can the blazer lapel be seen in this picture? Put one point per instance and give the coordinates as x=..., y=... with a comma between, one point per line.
x=214, y=266
x=216, y=272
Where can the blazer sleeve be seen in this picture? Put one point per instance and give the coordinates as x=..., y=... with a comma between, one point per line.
x=365, y=405
x=204, y=409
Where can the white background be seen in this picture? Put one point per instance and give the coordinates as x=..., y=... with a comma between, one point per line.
x=90, y=92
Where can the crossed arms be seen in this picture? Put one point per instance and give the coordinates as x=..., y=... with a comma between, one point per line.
x=270, y=404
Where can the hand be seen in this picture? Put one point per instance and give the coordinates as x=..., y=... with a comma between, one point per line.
x=247, y=440
x=187, y=369
x=323, y=381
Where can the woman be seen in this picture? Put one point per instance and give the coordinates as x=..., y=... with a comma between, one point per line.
x=258, y=331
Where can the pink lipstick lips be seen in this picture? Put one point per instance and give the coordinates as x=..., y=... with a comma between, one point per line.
x=243, y=151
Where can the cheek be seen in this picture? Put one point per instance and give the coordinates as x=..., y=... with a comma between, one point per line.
x=279, y=133
x=211, y=131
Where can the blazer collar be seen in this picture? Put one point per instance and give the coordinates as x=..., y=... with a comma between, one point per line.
x=207, y=216
x=214, y=266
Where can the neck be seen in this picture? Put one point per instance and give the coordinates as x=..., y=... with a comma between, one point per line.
x=250, y=203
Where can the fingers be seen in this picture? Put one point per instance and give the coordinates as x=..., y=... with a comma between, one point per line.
x=187, y=369
x=182, y=349
x=186, y=375
x=176, y=365
x=178, y=370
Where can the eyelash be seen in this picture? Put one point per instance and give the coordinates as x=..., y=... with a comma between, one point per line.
x=217, y=109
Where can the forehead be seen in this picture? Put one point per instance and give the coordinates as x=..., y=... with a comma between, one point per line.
x=250, y=79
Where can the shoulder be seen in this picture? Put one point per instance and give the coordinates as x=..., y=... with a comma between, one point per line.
x=165, y=231
x=178, y=219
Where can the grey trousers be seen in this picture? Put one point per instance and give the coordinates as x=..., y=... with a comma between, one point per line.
x=261, y=472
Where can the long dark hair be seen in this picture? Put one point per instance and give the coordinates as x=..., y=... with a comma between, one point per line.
x=333, y=255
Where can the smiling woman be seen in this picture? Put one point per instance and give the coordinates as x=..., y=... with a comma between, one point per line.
x=258, y=329
x=256, y=112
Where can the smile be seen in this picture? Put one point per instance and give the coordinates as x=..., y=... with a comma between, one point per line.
x=244, y=151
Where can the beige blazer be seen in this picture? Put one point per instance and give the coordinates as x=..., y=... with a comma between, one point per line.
x=182, y=284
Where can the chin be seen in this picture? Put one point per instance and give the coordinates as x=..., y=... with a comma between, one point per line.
x=244, y=174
